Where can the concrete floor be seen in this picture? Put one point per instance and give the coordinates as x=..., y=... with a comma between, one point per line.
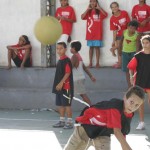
x=34, y=129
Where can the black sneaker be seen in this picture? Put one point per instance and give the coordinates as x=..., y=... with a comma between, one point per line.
x=68, y=126
x=60, y=124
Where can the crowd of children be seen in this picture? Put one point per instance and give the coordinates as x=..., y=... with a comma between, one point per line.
x=114, y=115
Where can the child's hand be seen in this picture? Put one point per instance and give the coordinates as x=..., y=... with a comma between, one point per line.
x=22, y=66
x=132, y=80
x=93, y=79
x=63, y=18
x=113, y=44
x=89, y=7
x=97, y=6
x=143, y=23
x=113, y=51
x=59, y=86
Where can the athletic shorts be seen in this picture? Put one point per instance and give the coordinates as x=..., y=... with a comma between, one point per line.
x=63, y=38
x=95, y=43
x=126, y=57
x=79, y=87
x=18, y=62
x=63, y=99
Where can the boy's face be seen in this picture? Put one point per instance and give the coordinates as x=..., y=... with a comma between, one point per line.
x=60, y=50
x=132, y=103
x=72, y=50
x=132, y=29
x=146, y=44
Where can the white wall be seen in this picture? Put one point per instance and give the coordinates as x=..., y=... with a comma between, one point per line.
x=18, y=17
x=80, y=27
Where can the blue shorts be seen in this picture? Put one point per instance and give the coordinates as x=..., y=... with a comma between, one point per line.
x=62, y=100
x=95, y=43
x=126, y=57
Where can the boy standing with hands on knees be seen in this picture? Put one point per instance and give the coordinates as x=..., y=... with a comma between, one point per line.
x=63, y=87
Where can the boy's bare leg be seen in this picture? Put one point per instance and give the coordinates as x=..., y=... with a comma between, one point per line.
x=97, y=57
x=141, y=113
x=68, y=111
x=128, y=79
x=61, y=110
x=90, y=56
x=11, y=55
x=148, y=93
x=86, y=99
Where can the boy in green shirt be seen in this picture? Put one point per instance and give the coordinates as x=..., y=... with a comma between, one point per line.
x=129, y=47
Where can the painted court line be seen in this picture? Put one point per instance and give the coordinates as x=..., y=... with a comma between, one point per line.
x=28, y=140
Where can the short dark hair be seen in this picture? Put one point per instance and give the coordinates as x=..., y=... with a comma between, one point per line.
x=63, y=44
x=76, y=45
x=133, y=23
x=137, y=91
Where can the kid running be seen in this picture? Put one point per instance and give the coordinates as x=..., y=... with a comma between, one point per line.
x=78, y=71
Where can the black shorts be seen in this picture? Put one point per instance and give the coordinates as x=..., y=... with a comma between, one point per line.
x=63, y=99
x=18, y=62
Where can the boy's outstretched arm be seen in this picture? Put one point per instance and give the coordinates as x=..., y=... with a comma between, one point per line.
x=121, y=139
x=88, y=73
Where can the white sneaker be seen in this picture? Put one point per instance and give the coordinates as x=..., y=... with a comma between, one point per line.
x=141, y=126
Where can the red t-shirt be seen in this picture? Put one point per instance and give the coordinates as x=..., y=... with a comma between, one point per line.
x=66, y=84
x=108, y=117
x=69, y=13
x=141, y=13
x=119, y=23
x=94, y=26
x=20, y=52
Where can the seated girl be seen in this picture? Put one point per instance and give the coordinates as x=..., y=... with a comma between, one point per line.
x=20, y=53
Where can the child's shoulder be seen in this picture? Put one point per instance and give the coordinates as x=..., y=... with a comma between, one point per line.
x=140, y=52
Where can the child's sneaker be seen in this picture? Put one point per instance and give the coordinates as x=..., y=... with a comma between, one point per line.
x=60, y=124
x=141, y=126
x=68, y=126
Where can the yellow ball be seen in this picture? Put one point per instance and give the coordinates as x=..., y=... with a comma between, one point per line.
x=48, y=30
